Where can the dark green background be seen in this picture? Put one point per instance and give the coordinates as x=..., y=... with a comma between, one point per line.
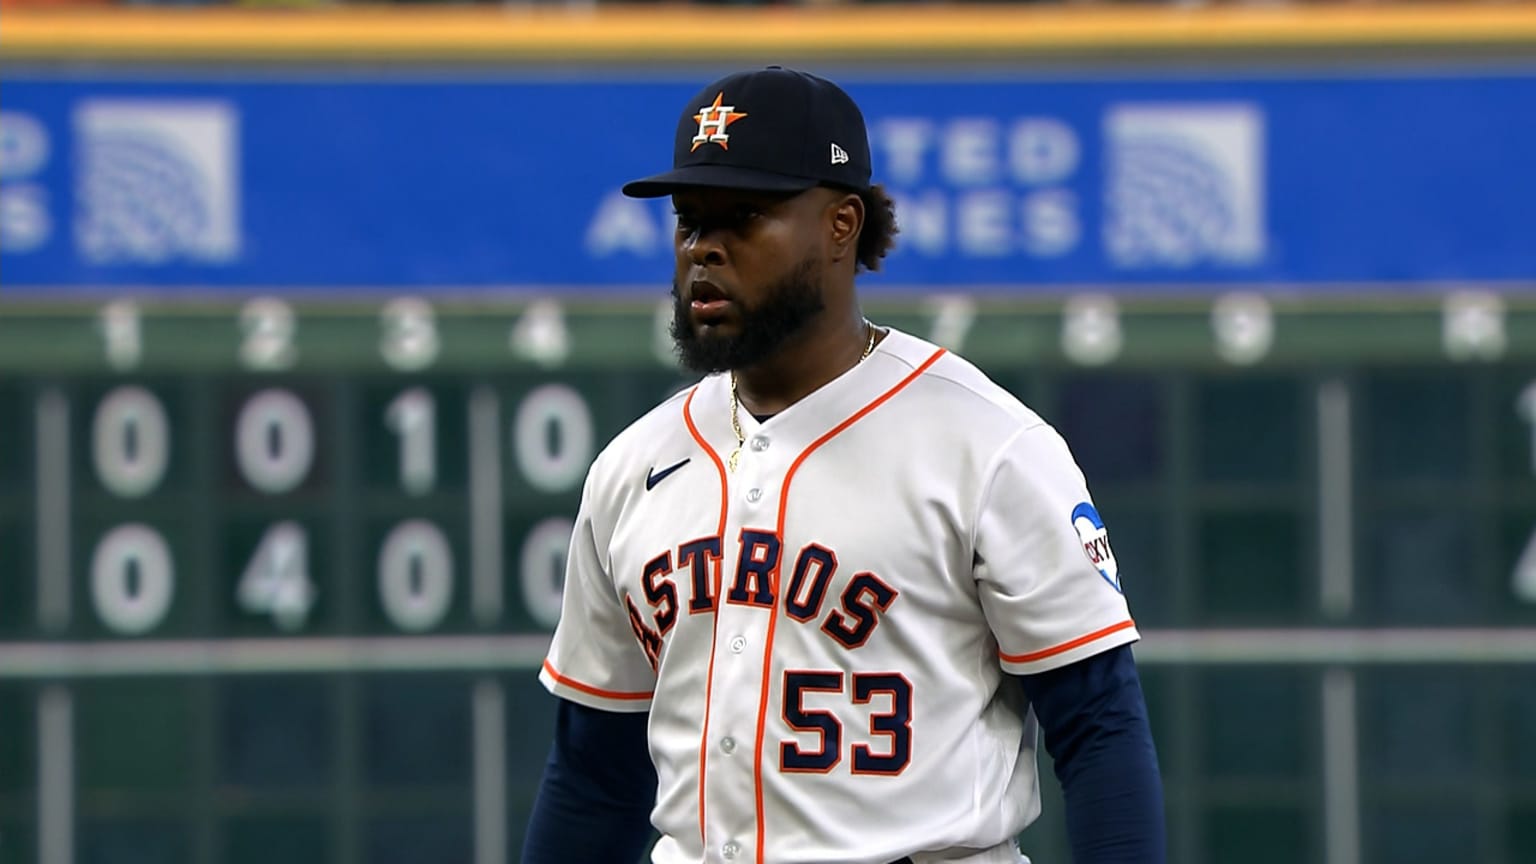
x=1205, y=473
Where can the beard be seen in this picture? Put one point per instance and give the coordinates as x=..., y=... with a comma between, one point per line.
x=787, y=307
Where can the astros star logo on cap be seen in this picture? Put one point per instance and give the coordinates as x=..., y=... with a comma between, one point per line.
x=713, y=120
x=804, y=131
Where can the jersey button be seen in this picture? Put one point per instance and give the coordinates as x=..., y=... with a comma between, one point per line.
x=738, y=644
x=759, y=443
x=754, y=494
x=731, y=849
x=728, y=744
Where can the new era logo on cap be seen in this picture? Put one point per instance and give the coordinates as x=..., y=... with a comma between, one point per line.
x=767, y=130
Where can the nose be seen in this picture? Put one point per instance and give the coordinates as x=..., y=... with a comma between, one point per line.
x=702, y=247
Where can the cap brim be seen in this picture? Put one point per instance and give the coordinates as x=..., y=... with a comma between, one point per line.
x=715, y=177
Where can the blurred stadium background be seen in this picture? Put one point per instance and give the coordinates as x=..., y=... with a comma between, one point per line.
x=313, y=315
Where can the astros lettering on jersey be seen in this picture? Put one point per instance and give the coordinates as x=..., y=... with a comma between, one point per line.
x=820, y=636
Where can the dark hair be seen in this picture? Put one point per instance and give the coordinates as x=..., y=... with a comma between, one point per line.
x=879, y=233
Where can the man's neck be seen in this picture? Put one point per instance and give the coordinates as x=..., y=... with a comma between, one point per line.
x=803, y=364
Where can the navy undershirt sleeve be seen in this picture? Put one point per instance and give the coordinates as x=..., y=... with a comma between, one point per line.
x=594, y=803
x=1094, y=720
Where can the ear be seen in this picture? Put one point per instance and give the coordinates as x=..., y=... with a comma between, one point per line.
x=846, y=220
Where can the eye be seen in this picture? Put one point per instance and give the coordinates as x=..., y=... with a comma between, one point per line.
x=685, y=222
x=747, y=212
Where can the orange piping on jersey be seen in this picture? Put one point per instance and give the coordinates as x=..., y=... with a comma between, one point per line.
x=595, y=691
x=709, y=680
x=837, y=430
x=1067, y=646
x=773, y=618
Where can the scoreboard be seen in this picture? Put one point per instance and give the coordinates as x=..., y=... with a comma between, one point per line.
x=276, y=573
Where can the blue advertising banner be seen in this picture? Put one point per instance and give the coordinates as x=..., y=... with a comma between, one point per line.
x=1322, y=181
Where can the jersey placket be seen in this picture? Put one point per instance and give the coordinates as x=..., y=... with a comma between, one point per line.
x=733, y=780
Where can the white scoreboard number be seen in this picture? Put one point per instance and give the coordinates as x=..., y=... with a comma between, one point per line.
x=133, y=575
x=415, y=576
x=276, y=581
x=550, y=435
x=132, y=579
x=131, y=442
x=275, y=451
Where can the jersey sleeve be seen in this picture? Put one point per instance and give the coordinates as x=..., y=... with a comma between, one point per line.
x=1044, y=569
x=594, y=658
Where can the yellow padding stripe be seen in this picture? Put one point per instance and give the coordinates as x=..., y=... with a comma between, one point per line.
x=741, y=34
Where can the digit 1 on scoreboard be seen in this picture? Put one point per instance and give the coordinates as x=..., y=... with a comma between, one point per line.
x=1524, y=581
x=413, y=417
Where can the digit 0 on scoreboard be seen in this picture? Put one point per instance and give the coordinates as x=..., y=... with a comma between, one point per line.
x=135, y=513
x=275, y=562
x=413, y=559
x=548, y=430
x=415, y=575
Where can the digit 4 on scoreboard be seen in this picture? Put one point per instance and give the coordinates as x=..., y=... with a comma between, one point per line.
x=276, y=581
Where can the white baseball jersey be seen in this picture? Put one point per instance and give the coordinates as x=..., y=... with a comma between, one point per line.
x=820, y=636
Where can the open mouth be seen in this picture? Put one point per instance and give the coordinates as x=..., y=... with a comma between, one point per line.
x=707, y=300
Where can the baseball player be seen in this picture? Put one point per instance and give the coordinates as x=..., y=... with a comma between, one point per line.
x=820, y=605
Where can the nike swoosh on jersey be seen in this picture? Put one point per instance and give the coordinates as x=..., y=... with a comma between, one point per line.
x=652, y=477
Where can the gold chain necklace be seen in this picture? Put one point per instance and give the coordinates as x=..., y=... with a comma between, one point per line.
x=741, y=438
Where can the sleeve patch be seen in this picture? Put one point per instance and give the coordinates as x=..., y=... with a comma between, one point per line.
x=1095, y=539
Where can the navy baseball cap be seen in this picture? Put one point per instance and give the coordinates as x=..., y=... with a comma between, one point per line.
x=773, y=129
